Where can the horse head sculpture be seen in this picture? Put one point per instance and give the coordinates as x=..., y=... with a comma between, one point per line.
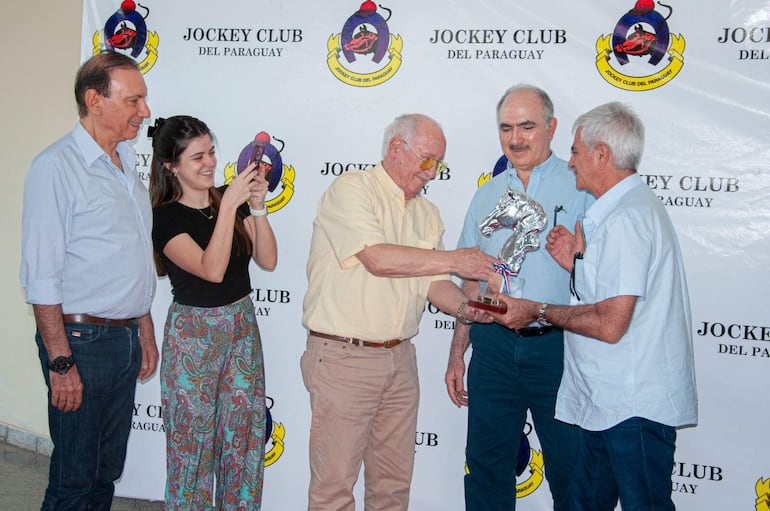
x=525, y=216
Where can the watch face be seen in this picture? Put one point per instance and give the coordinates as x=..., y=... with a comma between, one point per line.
x=61, y=364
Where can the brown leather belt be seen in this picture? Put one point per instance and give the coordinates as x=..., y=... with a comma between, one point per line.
x=358, y=342
x=87, y=319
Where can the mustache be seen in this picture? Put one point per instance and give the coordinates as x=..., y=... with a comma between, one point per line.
x=516, y=147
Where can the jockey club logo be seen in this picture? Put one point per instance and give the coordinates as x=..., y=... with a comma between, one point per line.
x=501, y=165
x=271, y=164
x=640, y=33
x=365, y=34
x=274, y=434
x=126, y=31
x=527, y=457
x=763, y=494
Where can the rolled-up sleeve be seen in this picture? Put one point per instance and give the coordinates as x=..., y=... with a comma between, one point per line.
x=44, y=227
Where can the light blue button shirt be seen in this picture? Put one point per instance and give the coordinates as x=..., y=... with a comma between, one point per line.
x=86, y=231
x=631, y=250
x=551, y=184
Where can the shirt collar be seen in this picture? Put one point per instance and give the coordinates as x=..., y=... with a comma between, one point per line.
x=541, y=171
x=387, y=182
x=600, y=210
x=92, y=152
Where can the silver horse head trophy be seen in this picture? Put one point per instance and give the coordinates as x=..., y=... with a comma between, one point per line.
x=518, y=211
x=525, y=216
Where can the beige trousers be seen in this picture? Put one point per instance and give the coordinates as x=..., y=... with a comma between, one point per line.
x=364, y=403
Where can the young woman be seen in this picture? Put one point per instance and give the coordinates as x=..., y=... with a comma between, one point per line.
x=212, y=374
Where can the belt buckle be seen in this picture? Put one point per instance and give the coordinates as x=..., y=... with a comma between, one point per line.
x=350, y=340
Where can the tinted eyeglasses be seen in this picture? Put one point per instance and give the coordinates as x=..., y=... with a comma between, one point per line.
x=428, y=162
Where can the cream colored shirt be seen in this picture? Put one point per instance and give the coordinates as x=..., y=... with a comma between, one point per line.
x=359, y=209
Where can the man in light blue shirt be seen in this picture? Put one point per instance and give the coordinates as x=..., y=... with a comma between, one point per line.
x=512, y=371
x=87, y=270
x=629, y=372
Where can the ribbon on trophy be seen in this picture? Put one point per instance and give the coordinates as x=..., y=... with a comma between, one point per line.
x=507, y=274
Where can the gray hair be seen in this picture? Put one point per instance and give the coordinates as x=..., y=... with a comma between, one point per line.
x=404, y=127
x=545, y=99
x=617, y=126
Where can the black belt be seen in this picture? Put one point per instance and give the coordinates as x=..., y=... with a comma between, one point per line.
x=357, y=342
x=87, y=319
x=533, y=331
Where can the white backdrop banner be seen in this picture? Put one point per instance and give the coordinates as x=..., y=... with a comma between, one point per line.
x=323, y=79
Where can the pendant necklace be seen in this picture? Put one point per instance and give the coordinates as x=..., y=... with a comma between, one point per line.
x=209, y=216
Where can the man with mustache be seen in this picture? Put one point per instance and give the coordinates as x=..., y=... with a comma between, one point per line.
x=512, y=371
x=629, y=368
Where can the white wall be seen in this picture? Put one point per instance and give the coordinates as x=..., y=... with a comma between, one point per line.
x=40, y=53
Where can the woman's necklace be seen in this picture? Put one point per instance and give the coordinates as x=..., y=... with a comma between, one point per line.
x=208, y=216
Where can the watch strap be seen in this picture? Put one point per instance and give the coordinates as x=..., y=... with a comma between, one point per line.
x=541, y=315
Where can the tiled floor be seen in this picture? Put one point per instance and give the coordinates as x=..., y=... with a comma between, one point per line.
x=24, y=476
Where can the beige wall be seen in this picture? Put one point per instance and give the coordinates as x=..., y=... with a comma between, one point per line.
x=40, y=54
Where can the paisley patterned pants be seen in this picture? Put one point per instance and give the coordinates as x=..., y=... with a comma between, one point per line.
x=213, y=395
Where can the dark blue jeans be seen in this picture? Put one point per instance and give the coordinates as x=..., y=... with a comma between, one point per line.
x=632, y=461
x=90, y=443
x=507, y=375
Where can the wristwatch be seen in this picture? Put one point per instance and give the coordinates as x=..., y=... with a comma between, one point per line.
x=61, y=364
x=541, y=315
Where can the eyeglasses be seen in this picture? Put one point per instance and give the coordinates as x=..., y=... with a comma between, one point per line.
x=572, y=289
x=427, y=163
